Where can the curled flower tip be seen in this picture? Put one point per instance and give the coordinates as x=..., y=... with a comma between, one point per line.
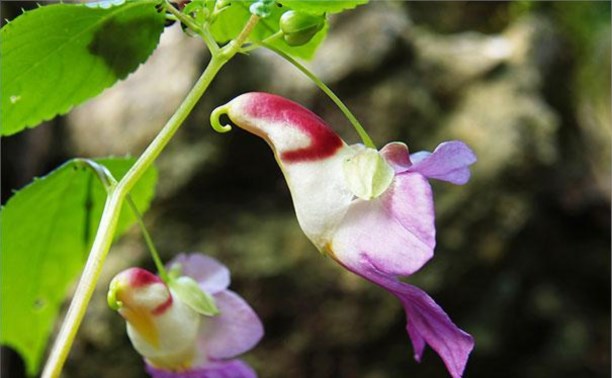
x=111, y=297
x=215, y=121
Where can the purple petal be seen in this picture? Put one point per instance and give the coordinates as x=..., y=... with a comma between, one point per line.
x=215, y=369
x=449, y=162
x=395, y=232
x=212, y=276
x=236, y=330
x=426, y=323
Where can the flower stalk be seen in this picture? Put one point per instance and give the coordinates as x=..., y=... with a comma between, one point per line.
x=365, y=138
x=116, y=197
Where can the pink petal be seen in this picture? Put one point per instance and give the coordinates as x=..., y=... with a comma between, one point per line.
x=212, y=276
x=426, y=323
x=395, y=232
x=216, y=369
x=236, y=330
x=396, y=154
x=450, y=162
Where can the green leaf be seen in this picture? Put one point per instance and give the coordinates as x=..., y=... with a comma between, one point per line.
x=188, y=291
x=321, y=6
x=57, y=56
x=232, y=19
x=47, y=229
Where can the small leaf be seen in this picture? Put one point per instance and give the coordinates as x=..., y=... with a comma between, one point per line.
x=47, y=229
x=57, y=56
x=321, y=6
x=188, y=291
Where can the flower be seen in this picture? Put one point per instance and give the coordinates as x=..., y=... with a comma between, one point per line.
x=371, y=211
x=168, y=329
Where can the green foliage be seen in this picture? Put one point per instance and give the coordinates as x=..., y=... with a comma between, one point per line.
x=321, y=6
x=47, y=229
x=58, y=56
x=232, y=19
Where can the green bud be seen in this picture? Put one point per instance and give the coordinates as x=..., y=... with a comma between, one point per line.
x=299, y=28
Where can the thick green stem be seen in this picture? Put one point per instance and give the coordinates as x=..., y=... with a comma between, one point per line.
x=347, y=113
x=109, y=182
x=85, y=288
x=114, y=202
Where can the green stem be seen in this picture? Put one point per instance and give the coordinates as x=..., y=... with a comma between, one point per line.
x=356, y=125
x=149, y=240
x=114, y=202
x=185, y=19
x=109, y=182
x=106, y=178
x=191, y=24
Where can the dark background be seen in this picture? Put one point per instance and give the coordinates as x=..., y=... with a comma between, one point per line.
x=523, y=255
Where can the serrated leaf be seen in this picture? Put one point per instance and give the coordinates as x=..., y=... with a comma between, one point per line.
x=57, y=56
x=47, y=229
x=322, y=6
x=189, y=292
x=232, y=19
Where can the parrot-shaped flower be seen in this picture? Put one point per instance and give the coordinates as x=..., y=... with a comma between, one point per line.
x=166, y=325
x=371, y=211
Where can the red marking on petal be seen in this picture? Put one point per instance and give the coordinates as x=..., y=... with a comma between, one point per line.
x=323, y=141
x=162, y=307
x=140, y=277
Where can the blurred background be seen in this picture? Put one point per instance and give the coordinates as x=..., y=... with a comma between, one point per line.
x=523, y=255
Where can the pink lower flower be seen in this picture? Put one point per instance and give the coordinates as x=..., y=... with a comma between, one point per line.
x=172, y=335
x=371, y=211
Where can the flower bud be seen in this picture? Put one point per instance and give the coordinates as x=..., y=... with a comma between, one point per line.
x=162, y=329
x=299, y=28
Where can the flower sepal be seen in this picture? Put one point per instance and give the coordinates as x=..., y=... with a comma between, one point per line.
x=189, y=292
x=367, y=174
